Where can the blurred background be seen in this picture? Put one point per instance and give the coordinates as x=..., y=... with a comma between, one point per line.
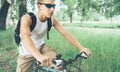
x=95, y=23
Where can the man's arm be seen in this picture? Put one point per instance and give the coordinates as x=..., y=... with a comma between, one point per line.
x=27, y=41
x=69, y=37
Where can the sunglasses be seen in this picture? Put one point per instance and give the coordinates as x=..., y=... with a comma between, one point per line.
x=48, y=5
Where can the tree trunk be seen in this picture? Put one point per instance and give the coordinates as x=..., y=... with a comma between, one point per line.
x=3, y=15
x=22, y=7
x=13, y=12
x=71, y=18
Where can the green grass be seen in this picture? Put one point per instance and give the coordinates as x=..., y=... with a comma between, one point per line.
x=8, y=51
x=103, y=43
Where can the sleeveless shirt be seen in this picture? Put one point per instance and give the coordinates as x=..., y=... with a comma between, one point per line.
x=37, y=36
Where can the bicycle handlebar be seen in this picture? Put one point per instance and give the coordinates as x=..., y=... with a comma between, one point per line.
x=60, y=61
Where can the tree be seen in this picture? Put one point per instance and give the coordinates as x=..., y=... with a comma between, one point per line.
x=3, y=14
x=107, y=8
x=112, y=8
x=83, y=8
x=13, y=13
x=70, y=7
x=22, y=7
x=5, y=7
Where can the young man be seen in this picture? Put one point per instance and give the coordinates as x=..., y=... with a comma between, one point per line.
x=32, y=43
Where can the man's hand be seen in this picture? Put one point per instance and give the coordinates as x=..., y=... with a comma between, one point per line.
x=44, y=60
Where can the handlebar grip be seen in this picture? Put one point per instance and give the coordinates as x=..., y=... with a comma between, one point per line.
x=83, y=55
x=57, y=62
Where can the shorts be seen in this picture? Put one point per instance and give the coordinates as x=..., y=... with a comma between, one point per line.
x=25, y=63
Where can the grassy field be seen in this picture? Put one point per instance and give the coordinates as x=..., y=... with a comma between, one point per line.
x=8, y=51
x=103, y=43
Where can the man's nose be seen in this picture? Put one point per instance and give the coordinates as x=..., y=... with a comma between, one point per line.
x=52, y=8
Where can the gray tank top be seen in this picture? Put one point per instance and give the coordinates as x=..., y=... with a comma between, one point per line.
x=37, y=36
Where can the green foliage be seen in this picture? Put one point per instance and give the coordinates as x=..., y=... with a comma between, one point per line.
x=116, y=7
x=70, y=7
x=107, y=8
x=103, y=43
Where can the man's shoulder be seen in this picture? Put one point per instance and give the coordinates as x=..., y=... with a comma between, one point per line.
x=26, y=17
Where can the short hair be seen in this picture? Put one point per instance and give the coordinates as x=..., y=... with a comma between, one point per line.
x=40, y=1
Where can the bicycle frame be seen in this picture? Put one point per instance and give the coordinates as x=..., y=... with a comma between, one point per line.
x=64, y=64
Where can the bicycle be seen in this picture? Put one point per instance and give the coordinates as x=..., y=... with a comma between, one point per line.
x=59, y=61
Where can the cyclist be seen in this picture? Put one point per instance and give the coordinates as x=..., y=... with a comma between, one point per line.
x=32, y=44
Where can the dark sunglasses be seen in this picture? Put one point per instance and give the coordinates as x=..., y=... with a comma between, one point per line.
x=48, y=5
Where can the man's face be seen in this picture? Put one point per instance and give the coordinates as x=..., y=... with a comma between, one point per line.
x=46, y=8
